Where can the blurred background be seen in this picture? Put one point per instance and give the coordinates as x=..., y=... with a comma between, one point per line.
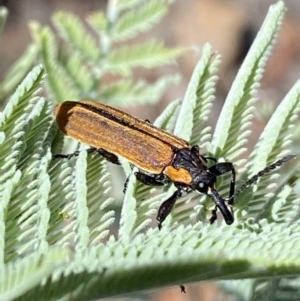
x=229, y=25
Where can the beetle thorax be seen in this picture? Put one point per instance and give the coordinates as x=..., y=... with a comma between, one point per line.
x=187, y=168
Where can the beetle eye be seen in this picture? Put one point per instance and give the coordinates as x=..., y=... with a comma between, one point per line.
x=201, y=185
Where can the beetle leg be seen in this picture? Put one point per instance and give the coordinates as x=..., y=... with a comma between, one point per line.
x=67, y=156
x=75, y=154
x=167, y=206
x=218, y=170
x=151, y=180
x=213, y=217
x=110, y=157
x=147, y=179
x=222, y=206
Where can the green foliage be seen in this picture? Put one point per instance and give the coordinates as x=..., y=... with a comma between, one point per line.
x=241, y=98
x=86, y=56
x=141, y=19
x=18, y=71
x=149, y=54
x=127, y=91
x=60, y=237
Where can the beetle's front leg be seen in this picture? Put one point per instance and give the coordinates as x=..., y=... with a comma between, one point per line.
x=219, y=169
x=167, y=206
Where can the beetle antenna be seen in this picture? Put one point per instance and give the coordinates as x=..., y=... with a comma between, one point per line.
x=261, y=173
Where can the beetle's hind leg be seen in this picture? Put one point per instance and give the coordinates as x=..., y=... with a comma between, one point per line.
x=65, y=156
x=220, y=169
x=110, y=157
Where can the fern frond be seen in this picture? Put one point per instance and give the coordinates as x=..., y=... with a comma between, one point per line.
x=28, y=119
x=14, y=121
x=72, y=30
x=58, y=211
x=61, y=202
x=27, y=212
x=18, y=71
x=80, y=206
x=198, y=99
x=98, y=188
x=23, y=275
x=167, y=119
x=277, y=134
x=98, y=21
x=182, y=255
x=271, y=145
x=125, y=92
x=80, y=74
x=138, y=20
x=148, y=54
x=127, y=4
x=58, y=84
x=285, y=207
x=128, y=212
x=92, y=212
x=233, y=124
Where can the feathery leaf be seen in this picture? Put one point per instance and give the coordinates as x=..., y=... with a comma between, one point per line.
x=236, y=115
x=125, y=92
x=98, y=21
x=270, y=147
x=80, y=74
x=138, y=20
x=21, y=276
x=127, y=4
x=57, y=79
x=58, y=211
x=198, y=98
x=148, y=54
x=71, y=29
x=18, y=71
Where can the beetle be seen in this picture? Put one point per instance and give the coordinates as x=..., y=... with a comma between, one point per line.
x=160, y=157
